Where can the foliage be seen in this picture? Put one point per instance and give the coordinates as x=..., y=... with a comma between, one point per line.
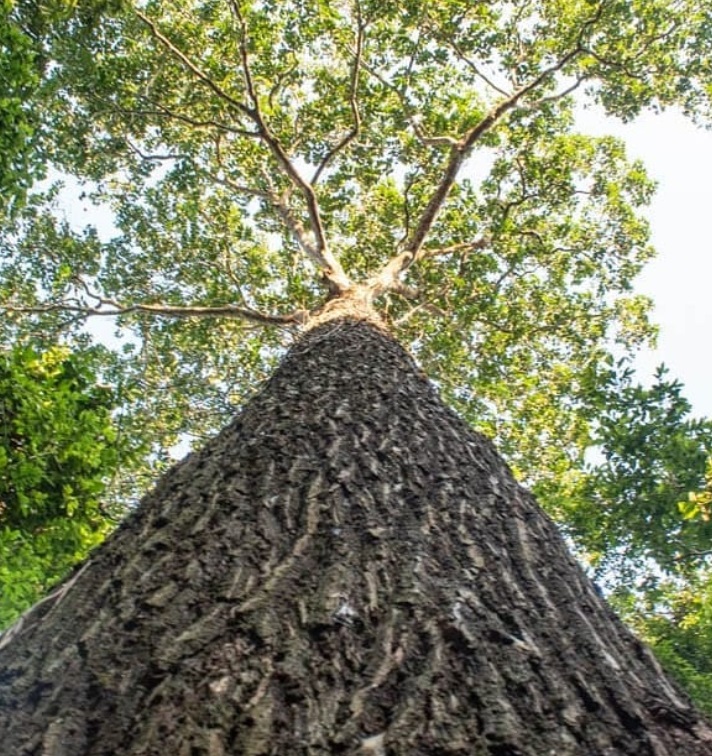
x=675, y=617
x=698, y=505
x=625, y=509
x=638, y=513
x=59, y=448
x=19, y=79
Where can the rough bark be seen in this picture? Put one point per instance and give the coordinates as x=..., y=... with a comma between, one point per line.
x=346, y=568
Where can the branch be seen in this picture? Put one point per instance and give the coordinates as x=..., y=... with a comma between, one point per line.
x=319, y=252
x=458, y=154
x=280, y=203
x=240, y=107
x=356, y=128
x=153, y=156
x=423, y=138
x=411, y=294
x=430, y=141
x=108, y=307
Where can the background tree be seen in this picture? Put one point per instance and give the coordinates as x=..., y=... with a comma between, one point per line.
x=59, y=449
x=638, y=513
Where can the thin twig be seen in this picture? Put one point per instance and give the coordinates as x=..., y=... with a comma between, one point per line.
x=163, y=111
x=471, y=65
x=155, y=157
x=552, y=98
x=55, y=597
x=353, y=103
x=443, y=140
x=223, y=180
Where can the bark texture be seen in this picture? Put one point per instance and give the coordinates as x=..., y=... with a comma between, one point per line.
x=346, y=568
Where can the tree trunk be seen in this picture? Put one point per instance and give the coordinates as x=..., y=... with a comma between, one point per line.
x=346, y=568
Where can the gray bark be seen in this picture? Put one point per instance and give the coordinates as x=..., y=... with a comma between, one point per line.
x=346, y=568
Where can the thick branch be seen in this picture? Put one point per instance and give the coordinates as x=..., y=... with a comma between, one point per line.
x=107, y=307
x=319, y=252
x=458, y=154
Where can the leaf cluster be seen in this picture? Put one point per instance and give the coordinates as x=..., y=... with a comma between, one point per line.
x=60, y=446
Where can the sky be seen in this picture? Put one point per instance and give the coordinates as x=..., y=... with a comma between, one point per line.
x=678, y=155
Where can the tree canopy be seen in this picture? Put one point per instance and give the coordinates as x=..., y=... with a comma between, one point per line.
x=244, y=164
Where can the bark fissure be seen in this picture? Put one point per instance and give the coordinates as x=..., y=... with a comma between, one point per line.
x=347, y=568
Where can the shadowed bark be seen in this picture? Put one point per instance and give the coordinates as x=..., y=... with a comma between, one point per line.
x=346, y=568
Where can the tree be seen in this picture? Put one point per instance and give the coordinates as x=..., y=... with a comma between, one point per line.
x=627, y=507
x=285, y=164
x=639, y=517
x=59, y=448
x=346, y=568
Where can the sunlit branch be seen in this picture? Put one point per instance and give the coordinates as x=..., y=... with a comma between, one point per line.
x=195, y=69
x=111, y=308
x=319, y=252
x=428, y=307
x=353, y=103
x=472, y=66
x=430, y=141
x=280, y=204
x=461, y=247
x=228, y=183
x=458, y=154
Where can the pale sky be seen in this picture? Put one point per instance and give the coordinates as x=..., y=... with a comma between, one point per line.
x=679, y=156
